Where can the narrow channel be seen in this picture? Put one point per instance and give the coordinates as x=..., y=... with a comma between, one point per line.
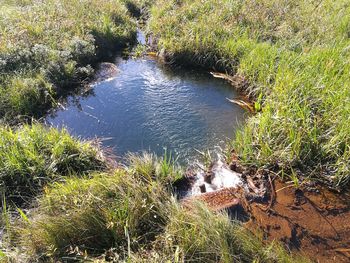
x=147, y=106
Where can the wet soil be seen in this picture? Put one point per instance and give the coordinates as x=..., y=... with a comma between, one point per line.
x=219, y=200
x=315, y=222
x=228, y=199
x=309, y=219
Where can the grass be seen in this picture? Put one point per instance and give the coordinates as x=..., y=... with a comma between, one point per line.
x=32, y=156
x=131, y=215
x=199, y=235
x=96, y=214
x=295, y=57
x=49, y=47
x=124, y=209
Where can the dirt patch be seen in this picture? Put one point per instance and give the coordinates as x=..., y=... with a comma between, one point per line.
x=314, y=222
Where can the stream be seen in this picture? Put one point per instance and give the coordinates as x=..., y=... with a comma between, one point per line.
x=147, y=106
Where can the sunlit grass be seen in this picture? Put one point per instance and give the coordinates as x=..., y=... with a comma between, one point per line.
x=295, y=56
x=49, y=47
x=32, y=156
x=131, y=215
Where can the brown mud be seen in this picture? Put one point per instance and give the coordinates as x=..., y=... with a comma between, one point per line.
x=311, y=220
x=315, y=222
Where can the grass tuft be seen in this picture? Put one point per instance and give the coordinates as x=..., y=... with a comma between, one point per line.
x=93, y=215
x=32, y=156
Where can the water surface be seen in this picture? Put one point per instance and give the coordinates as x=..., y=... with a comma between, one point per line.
x=147, y=106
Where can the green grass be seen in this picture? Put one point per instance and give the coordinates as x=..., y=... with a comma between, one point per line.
x=199, y=235
x=293, y=54
x=131, y=215
x=32, y=156
x=49, y=47
x=97, y=214
x=295, y=57
x=125, y=209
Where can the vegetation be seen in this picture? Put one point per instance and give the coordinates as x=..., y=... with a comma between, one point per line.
x=294, y=55
x=292, y=58
x=48, y=47
x=32, y=156
x=130, y=214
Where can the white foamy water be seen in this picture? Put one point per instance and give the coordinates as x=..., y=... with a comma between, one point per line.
x=221, y=177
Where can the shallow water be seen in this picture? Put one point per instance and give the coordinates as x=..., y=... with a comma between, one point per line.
x=148, y=106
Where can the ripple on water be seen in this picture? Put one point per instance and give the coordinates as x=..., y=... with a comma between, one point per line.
x=148, y=107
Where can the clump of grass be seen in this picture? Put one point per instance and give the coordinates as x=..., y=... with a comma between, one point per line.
x=139, y=51
x=48, y=47
x=123, y=210
x=32, y=156
x=199, y=235
x=162, y=169
x=293, y=54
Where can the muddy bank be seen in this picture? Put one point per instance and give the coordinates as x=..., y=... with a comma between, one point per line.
x=309, y=220
x=312, y=221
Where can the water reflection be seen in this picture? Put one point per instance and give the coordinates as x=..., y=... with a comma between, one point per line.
x=147, y=106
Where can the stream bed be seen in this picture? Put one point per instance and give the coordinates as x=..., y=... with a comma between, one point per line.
x=147, y=106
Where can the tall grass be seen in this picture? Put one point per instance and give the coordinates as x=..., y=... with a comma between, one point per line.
x=295, y=57
x=48, y=47
x=97, y=214
x=199, y=235
x=32, y=156
x=125, y=210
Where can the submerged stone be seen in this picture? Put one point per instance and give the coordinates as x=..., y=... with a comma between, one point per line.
x=106, y=71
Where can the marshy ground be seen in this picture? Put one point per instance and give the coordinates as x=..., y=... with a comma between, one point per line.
x=64, y=200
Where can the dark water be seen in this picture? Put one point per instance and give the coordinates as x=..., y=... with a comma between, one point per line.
x=147, y=106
